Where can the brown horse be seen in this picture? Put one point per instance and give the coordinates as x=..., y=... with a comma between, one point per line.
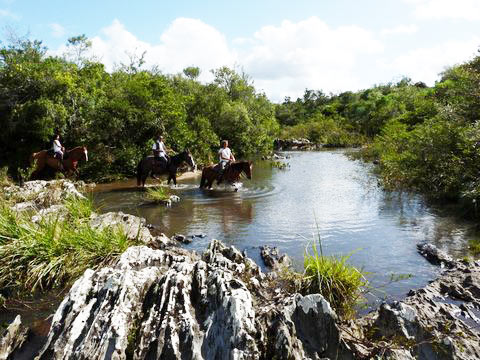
x=232, y=173
x=70, y=161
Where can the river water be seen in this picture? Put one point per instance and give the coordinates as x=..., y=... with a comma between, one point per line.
x=320, y=193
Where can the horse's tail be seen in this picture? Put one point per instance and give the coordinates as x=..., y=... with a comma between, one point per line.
x=139, y=173
x=203, y=180
x=33, y=156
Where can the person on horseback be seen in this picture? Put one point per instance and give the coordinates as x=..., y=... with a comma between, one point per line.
x=226, y=156
x=160, y=151
x=58, y=151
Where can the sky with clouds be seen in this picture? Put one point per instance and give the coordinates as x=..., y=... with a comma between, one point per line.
x=285, y=46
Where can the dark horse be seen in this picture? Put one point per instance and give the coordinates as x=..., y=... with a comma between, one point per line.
x=69, y=164
x=149, y=165
x=232, y=173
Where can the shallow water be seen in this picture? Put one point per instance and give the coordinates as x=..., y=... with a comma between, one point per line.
x=320, y=193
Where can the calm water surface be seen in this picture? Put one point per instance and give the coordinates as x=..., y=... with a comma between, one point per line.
x=321, y=192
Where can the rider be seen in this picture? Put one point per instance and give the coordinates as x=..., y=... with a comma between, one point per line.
x=58, y=150
x=160, y=150
x=226, y=156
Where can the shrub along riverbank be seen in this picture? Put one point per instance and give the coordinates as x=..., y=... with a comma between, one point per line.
x=424, y=138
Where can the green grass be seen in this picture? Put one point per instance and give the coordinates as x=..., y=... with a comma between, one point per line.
x=54, y=252
x=474, y=247
x=338, y=282
x=158, y=194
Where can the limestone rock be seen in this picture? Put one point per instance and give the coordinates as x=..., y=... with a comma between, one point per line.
x=155, y=304
x=42, y=193
x=271, y=257
x=134, y=226
x=12, y=339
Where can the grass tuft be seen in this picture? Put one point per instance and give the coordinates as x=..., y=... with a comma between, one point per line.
x=158, y=194
x=55, y=251
x=331, y=276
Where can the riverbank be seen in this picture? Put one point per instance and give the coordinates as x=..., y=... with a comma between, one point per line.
x=220, y=304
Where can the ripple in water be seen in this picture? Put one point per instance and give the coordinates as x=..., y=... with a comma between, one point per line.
x=322, y=193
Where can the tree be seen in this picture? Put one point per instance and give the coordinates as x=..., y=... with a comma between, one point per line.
x=192, y=72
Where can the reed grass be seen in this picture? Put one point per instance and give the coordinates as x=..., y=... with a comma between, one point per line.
x=158, y=194
x=55, y=251
x=338, y=282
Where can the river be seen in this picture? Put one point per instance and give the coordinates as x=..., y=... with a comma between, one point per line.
x=322, y=194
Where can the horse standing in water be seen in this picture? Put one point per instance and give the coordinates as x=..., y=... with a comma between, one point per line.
x=231, y=175
x=149, y=165
x=69, y=162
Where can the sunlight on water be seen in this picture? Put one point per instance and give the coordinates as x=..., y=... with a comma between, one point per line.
x=321, y=193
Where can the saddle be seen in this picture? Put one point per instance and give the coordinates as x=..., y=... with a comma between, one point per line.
x=52, y=154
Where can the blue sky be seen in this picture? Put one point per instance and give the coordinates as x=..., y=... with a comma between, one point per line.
x=285, y=46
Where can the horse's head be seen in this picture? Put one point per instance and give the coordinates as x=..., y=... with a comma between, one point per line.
x=78, y=153
x=189, y=159
x=248, y=169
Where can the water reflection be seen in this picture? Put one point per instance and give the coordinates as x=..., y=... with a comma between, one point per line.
x=322, y=193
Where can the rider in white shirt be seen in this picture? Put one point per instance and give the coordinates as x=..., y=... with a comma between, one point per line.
x=58, y=151
x=160, y=150
x=226, y=156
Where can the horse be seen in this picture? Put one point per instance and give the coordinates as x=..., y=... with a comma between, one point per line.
x=231, y=175
x=149, y=165
x=69, y=163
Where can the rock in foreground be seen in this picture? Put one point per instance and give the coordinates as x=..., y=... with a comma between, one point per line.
x=158, y=304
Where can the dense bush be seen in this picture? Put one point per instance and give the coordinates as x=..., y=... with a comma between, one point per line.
x=116, y=115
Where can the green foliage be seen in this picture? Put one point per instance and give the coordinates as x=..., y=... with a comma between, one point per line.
x=158, y=194
x=55, y=251
x=116, y=115
x=332, y=277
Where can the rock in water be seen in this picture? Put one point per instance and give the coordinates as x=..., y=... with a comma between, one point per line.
x=159, y=304
x=271, y=257
x=12, y=339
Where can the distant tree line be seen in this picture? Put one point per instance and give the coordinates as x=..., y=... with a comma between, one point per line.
x=425, y=138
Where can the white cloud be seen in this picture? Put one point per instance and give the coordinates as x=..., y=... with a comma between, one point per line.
x=446, y=9
x=186, y=42
x=283, y=60
x=8, y=14
x=57, y=30
x=424, y=64
x=308, y=54
x=401, y=29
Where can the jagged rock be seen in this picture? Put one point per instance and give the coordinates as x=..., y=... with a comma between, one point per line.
x=12, y=339
x=293, y=144
x=440, y=321
x=42, y=193
x=182, y=238
x=134, y=227
x=272, y=258
x=435, y=255
x=155, y=304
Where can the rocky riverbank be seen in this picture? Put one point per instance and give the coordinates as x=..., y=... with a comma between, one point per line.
x=159, y=301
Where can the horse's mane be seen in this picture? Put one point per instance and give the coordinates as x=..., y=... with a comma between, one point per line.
x=75, y=148
x=238, y=165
